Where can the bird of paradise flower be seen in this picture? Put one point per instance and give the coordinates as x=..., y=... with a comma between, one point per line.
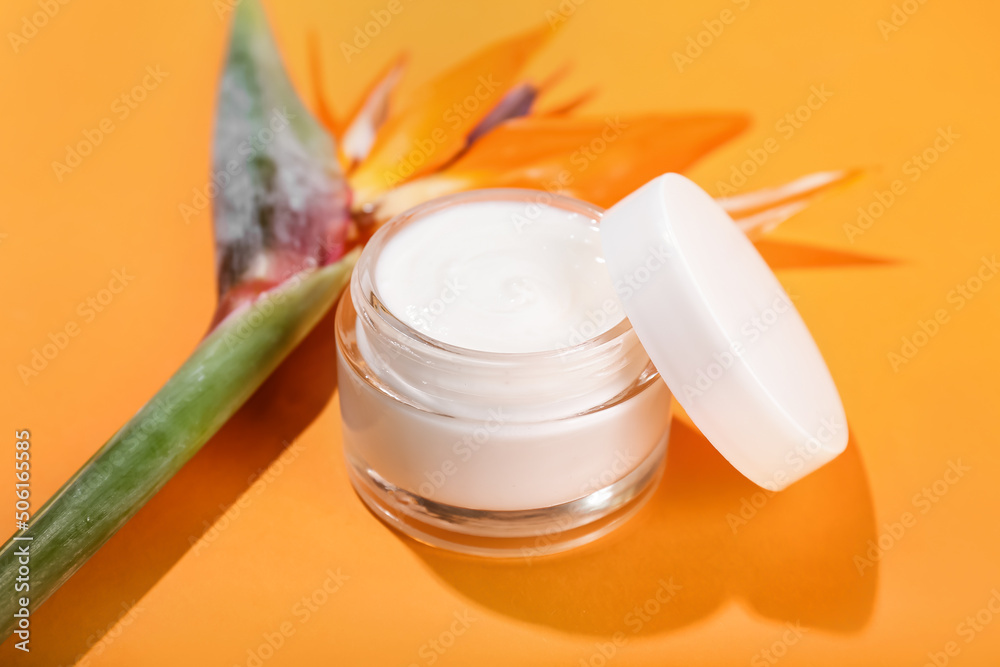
x=480, y=124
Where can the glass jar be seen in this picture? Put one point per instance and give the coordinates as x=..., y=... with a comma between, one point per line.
x=487, y=453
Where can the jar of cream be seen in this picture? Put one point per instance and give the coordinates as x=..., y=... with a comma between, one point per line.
x=496, y=396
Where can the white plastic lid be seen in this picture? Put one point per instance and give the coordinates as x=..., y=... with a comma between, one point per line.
x=722, y=332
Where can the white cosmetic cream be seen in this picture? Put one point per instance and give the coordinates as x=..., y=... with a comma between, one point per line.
x=495, y=399
x=483, y=276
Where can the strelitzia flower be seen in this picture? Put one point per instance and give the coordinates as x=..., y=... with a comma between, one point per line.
x=480, y=124
x=298, y=191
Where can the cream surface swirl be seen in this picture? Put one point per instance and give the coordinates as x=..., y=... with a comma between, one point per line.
x=500, y=277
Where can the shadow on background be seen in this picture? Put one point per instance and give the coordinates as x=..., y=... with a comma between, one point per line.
x=788, y=255
x=791, y=560
x=87, y=606
x=790, y=557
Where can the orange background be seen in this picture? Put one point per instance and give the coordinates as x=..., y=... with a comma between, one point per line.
x=204, y=589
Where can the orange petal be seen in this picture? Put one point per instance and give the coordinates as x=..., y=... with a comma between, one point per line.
x=371, y=112
x=517, y=103
x=565, y=107
x=569, y=106
x=433, y=128
x=760, y=211
x=419, y=190
x=597, y=160
x=323, y=111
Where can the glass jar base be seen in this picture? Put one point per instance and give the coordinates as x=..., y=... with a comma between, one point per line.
x=510, y=534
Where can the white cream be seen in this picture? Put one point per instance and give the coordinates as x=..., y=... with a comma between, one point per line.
x=542, y=403
x=484, y=276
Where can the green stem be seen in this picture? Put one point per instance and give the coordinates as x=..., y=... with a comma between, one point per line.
x=222, y=373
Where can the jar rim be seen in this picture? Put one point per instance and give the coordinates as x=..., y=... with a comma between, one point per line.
x=368, y=293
